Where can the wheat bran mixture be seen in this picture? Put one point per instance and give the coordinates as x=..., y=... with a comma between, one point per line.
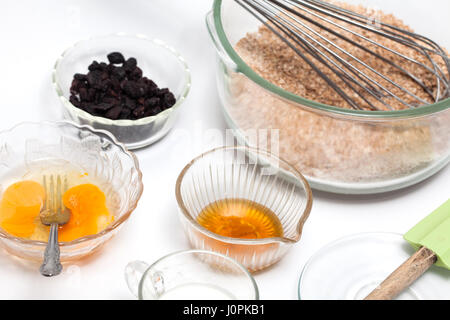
x=332, y=148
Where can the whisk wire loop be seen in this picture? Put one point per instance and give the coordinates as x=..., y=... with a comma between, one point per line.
x=295, y=23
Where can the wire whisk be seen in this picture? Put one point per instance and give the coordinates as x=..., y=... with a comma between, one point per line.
x=316, y=30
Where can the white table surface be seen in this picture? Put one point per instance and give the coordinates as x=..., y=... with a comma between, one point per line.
x=34, y=33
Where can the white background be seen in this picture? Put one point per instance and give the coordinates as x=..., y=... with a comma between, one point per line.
x=34, y=33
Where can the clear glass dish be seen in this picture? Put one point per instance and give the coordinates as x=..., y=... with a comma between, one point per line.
x=350, y=268
x=341, y=151
x=248, y=174
x=191, y=275
x=158, y=62
x=41, y=147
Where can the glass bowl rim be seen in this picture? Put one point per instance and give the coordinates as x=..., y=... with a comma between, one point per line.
x=116, y=223
x=124, y=122
x=304, y=216
x=245, y=69
x=331, y=244
x=213, y=253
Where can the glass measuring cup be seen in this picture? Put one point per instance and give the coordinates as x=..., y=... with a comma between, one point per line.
x=192, y=275
x=239, y=172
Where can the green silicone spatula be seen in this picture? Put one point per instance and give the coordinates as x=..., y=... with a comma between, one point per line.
x=431, y=238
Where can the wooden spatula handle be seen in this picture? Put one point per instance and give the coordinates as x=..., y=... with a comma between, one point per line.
x=404, y=276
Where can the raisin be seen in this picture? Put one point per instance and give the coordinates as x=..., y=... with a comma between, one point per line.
x=169, y=99
x=84, y=96
x=103, y=67
x=125, y=114
x=152, y=102
x=162, y=92
x=74, y=100
x=139, y=112
x=76, y=85
x=114, y=113
x=118, y=92
x=103, y=106
x=135, y=74
x=119, y=73
x=94, y=66
x=130, y=64
x=111, y=100
x=116, y=58
x=132, y=89
x=130, y=103
x=155, y=110
x=80, y=77
x=94, y=78
x=91, y=94
x=149, y=83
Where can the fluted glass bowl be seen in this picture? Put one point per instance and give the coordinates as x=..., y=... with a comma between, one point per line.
x=30, y=146
x=249, y=174
x=158, y=61
x=338, y=150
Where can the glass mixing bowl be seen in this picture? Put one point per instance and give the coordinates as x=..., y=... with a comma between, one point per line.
x=158, y=61
x=231, y=173
x=343, y=151
x=31, y=148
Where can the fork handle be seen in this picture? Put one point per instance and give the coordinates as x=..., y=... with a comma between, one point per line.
x=51, y=265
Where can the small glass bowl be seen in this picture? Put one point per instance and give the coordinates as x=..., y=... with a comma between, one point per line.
x=247, y=174
x=30, y=147
x=191, y=275
x=158, y=61
x=352, y=267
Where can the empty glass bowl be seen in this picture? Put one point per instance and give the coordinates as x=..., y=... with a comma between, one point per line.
x=352, y=267
x=248, y=174
x=158, y=61
x=191, y=275
x=31, y=148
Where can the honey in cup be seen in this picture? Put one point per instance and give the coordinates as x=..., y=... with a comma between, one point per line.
x=240, y=219
x=22, y=202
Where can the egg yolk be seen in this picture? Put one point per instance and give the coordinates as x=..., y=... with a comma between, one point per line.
x=89, y=214
x=20, y=205
x=22, y=202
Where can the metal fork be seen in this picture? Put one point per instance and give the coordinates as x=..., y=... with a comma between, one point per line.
x=54, y=213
